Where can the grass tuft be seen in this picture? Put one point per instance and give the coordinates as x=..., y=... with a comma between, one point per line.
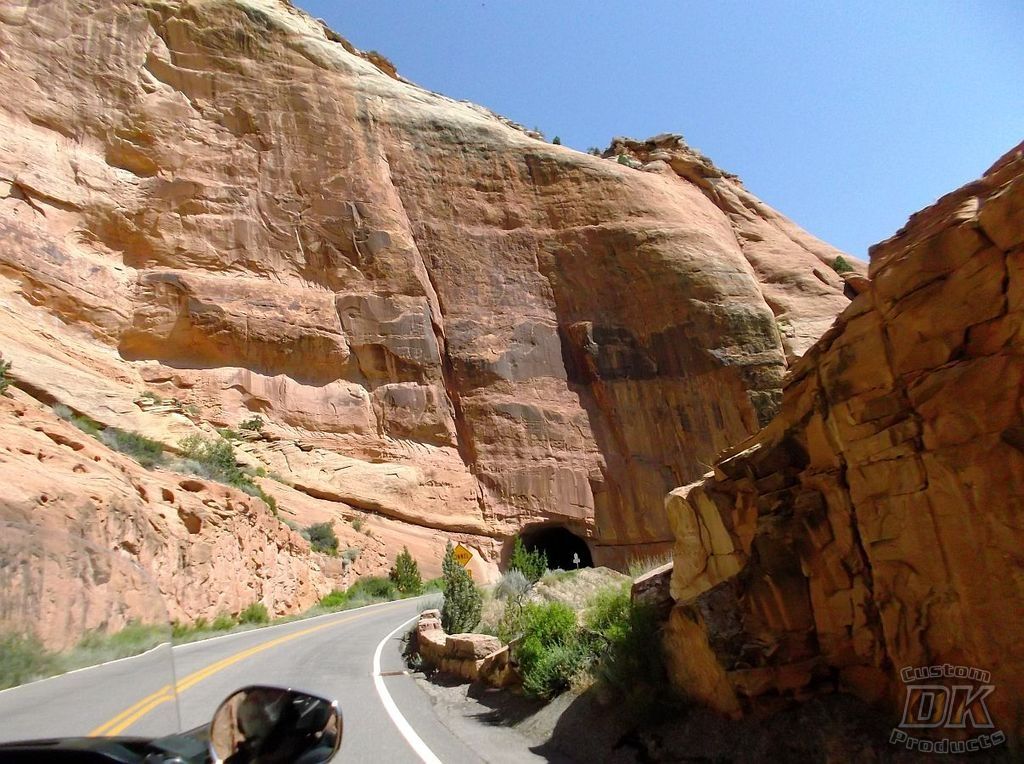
x=23, y=659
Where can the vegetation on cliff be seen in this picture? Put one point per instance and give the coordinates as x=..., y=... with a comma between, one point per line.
x=5, y=382
x=322, y=538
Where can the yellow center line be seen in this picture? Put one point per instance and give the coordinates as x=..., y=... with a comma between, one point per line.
x=136, y=711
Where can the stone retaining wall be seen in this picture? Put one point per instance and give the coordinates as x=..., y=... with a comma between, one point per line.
x=473, y=657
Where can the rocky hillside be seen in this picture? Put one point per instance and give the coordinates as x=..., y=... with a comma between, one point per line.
x=875, y=524
x=451, y=329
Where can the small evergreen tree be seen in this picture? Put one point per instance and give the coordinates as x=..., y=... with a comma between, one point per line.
x=533, y=564
x=557, y=141
x=405, y=574
x=448, y=565
x=463, y=602
x=322, y=538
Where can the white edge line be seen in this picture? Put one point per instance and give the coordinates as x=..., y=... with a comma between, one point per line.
x=199, y=642
x=415, y=741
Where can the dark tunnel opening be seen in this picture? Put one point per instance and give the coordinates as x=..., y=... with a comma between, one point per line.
x=562, y=546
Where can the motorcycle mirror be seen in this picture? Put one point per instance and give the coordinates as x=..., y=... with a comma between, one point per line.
x=266, y=725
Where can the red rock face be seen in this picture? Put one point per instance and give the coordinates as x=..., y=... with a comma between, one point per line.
x=875, y=523
x=444, y=322
x=210, y=548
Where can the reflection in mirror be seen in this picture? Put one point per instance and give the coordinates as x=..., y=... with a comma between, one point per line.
x=267, y=725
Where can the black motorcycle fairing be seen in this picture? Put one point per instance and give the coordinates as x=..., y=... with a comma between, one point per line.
x=189, y=748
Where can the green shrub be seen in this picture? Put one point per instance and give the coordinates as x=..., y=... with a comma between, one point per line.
x=841, y=265
x=253, y=424
x=335, y=599
x=552, y=651
x=373, y=588
x=5, y=366
x=255, y=613
x=623, y=159
x=322, y=538
x=594, y=151
x=145, y=451
x=405, y=574
x=357, y=524
x=223, y=622
x=549, y=622
x=434, y=585
x=216, y=455
x=619, y=644
x=608, y=611
x=548, y=671
x=365, y=591
x=557, y=141
x=351, y=554
x=533, y=564
x=463, y=602
x=99, y=646
x=631, y=658
x=23, y=659
x=179, y=629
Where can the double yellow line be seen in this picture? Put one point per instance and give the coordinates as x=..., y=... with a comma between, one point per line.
x=166, y=694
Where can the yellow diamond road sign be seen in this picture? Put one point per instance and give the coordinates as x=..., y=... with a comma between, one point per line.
x=462, y=555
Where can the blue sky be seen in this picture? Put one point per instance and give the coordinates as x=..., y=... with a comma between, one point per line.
x=847, y=117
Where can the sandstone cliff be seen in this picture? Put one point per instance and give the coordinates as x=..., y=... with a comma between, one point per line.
x=875, y=524
x=210, y=548
x=448, y=325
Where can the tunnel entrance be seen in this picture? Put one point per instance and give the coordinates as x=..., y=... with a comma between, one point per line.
x=560, y=545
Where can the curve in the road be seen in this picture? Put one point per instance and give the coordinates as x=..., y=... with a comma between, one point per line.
x=415, y=741
x=166, y=694
x=388, y=715
x=132, y=714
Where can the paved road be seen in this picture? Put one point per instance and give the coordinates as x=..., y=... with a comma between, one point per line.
x=330, y=655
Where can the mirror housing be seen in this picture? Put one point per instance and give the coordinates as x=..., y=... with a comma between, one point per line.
x=266, y=725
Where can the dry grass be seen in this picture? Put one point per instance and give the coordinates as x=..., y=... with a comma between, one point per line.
x=640, y=565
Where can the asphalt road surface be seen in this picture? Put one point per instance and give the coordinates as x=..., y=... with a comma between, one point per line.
x=331, y=655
